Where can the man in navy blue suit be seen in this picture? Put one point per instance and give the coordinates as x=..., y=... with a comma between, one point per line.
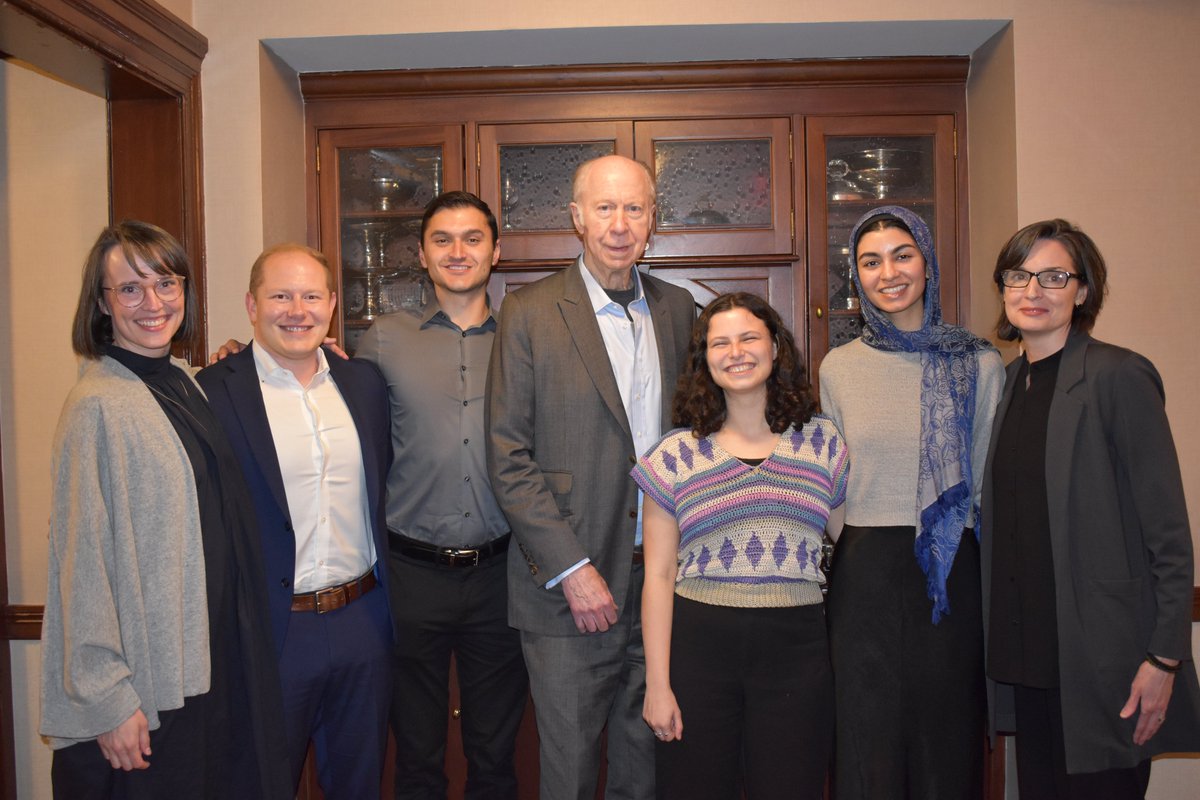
x=311, y=434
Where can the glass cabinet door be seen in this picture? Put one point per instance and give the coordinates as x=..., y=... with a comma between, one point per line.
x=525, y=174
x=380, y=183
x=724, y=185
x=855, y=165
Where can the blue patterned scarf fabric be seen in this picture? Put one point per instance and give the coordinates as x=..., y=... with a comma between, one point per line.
x=945, y=491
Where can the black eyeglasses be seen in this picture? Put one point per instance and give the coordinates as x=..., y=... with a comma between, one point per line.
x=132, y=295
x=1048, y=278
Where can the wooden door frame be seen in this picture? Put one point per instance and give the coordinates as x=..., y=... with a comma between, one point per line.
x=146, y=63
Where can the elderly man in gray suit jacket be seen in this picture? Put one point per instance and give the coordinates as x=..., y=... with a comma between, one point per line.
x=582, y=376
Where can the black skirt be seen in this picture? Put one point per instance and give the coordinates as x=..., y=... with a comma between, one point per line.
x=909, y=694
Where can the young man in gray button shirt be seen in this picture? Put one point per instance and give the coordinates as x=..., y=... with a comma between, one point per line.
x=448, y=537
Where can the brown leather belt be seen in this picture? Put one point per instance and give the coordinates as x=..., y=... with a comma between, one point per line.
x=448, y=556
x=334, y=597
x=639, y=556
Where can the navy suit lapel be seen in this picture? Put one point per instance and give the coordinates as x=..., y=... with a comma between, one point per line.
x=247, y=404
x=580, y=317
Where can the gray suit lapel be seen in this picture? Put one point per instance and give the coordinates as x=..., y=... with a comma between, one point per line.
x=580, y=318
x=664, y=337
x=1062, y=430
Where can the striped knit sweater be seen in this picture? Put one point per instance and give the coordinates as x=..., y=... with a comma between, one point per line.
x=749, y=536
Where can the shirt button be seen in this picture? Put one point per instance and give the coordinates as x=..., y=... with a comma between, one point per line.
x=466, y=513
x=633, y=513
x=463, y=368
x=464, y=402
x=466, y=441
x=467, y=479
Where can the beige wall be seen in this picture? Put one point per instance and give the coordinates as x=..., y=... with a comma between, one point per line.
x=53, y=202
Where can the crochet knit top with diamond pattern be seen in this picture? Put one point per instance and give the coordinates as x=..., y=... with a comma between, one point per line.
x=749, y=536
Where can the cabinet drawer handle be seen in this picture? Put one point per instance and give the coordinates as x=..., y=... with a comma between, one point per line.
x=820, y=312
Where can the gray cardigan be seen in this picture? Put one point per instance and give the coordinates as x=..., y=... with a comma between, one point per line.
x=126, y=621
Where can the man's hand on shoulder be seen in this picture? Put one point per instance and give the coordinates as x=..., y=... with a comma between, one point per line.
x=591, y=603
x=331, y=345
x=232, y=347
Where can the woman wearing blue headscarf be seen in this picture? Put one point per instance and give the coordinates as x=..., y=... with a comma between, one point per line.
x=914, y=398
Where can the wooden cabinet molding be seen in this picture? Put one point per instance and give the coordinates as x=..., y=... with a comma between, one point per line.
x=601, y=77
x=132, y=34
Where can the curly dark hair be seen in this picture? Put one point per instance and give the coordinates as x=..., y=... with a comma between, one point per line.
x=700, y=404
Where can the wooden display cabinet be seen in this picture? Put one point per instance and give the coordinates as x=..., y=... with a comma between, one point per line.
x=525, y=177
x=373, y=189
x=724, y=186
x=742, y=152
x=856, y=164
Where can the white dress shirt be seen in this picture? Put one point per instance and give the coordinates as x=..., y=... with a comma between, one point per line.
x=320, y=457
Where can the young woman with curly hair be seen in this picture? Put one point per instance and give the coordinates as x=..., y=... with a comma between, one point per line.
x=733, y=623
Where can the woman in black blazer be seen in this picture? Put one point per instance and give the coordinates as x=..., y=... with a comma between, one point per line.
x=1086, y=551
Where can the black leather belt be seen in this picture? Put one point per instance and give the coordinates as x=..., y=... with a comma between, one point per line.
x=448, y=556
x=334, y=597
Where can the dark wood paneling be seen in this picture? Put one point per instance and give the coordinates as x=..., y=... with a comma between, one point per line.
x=21, y=622
x=618, y=77
x=132, y=34
x=146, y=162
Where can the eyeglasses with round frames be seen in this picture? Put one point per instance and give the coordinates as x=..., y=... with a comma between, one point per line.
x=132, y=295
x=1047, y=278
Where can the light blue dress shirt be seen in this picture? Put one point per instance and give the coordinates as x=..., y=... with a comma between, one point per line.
x=633, y=355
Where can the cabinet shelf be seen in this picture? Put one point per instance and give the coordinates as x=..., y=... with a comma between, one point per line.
x=403, y=213
x=867, y=204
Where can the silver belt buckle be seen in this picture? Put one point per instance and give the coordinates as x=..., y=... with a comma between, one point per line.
x=456, y=554
x=332, y=592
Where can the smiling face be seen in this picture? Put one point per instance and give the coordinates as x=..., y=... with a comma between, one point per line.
x=291, y=309
x=1043, y=316
x=739, y=351
x=891, y=270
x=458, y=251
x=148, y=329
x=613, y=211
